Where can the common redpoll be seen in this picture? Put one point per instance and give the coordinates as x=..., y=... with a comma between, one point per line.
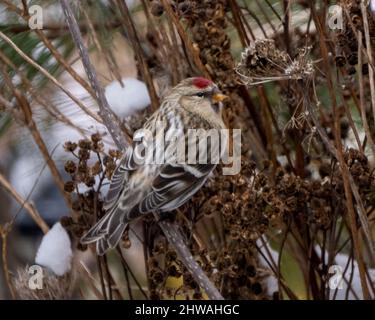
x=162, y=186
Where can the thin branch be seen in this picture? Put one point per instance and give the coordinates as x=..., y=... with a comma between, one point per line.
x=105, y=112
x=34, y=214
x=369, y=54
x=362, y=103
x=127, y=267
x=4, y=231
x=24, y=14
x=35, y=94
x=49, y=76
x=189, y=45
x=56, y=28
x=28, y=121
x=350, y=187
x=131, y=30
x=175, y=239
x=91, y=280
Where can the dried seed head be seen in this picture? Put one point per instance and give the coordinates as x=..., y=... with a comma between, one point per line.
x=84, y=154
x=173, y=271
x=70, y=167
x=96, y=168
x=90, y=181
x=66, y=221
x=69, y=186
x=116, y=154
x=263, y=62
x=340, y=61
x=96, y=137
x=82, y=167
x=70, y=146
x=85, y=144
x=156, y=8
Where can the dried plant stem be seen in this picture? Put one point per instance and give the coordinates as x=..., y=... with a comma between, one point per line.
x=101, y=277
x=349, y=186
x=59, y=58
x=91, y=280
x=129, y=270
x=105, y=112
x=369, y=54
x=354, y=189
x=4, y=231
x=274, y=10
x=275, y=267
x=131, y=30
x=287, y=23
x=175, y=239
x=109, y=277
x=48, y=106
x=247, y=24
x=237, y=16
x=264, y=13
x=26, y=117
x=34, y=214
x=164, y=44
x=112, y=66
x=185, y=38
x=57, y=29
x=49, y=76
x=173, y=47
x=64, y=63
x=362, y=103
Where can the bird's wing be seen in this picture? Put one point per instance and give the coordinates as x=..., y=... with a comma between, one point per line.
x=178, y=182
x=119, y=179
x=108, y=230
x=174, y=185
x=125, y=168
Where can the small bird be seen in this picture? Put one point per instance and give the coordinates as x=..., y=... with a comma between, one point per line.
x=138, y=189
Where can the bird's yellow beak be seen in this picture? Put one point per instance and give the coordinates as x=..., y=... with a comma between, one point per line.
x=219, y=97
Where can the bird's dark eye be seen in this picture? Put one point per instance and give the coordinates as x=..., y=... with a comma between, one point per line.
x=200, y=94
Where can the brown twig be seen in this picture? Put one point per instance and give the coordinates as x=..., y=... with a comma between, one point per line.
x=49, y=76
x=91, y=280
x=34, y=214
x=189, y=45
x=369, y=54
x=362, y=96
x=127, y=267
x=175, y=239
x=349, y=186
x=131, y=30
x=48, y=106
x=105, y=112
x=28, y=121
x=4, y=231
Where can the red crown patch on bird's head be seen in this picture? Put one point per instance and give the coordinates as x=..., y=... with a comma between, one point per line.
x=201, y=82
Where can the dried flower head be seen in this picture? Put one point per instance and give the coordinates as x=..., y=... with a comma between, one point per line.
x=263, y=62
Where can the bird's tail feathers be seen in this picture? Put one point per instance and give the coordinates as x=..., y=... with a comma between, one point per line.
x=107, y=232
x=98, y=231
x=105, y=243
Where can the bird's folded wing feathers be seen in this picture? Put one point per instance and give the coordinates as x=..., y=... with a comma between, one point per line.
x=119, y=179
x=174, y=186
x=178, y=182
